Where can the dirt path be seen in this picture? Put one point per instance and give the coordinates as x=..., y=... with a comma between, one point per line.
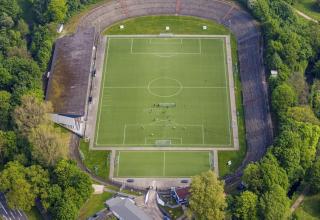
x=299, y=200
x=305, y=16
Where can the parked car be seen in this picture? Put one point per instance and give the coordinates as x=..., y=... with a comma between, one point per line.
x=130, y=180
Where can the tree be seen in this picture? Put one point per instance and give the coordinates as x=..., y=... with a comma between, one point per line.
x=298, y=83
x=314, y=176
x=287, y=149
x=26, y=75
x=30, y=114
x=6, y=21
x=51, y=196
x=8, y=146
x=5, y=79
x=18, y=191
x=10, y=7
x=57, y=10
x=38, y=178
x=67, y=174
x=4, y=109
x=261, y=176
x=207, y=199
x=246, y=206
x=64, y=209
x=49, y=145
x=274, y=204
x=283, y=97
x=302, y=114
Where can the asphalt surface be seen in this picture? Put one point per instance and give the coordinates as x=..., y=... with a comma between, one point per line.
x=9, y=214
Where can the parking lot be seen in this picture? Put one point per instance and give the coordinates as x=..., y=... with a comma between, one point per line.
x=8, y=214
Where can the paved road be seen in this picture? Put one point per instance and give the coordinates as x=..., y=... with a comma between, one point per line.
x=9, y=214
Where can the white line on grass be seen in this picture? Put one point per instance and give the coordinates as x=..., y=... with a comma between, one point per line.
x=118, y=163
x=200, y=46
x=227, y=93
x=103, y=82
x=202, y=134
x=164, y=163
x=167, y=53
x=131, y=44
x=165, y=87
x=124, y=133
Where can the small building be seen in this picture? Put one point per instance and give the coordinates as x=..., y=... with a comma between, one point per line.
x=69, y=81
x=274, y=73
x=125, y=209
x=181, y=194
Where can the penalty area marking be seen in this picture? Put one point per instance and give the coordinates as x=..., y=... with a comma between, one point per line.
x=166, y=54
x=201, y=126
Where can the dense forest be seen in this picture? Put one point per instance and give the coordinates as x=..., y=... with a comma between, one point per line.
x=33, y=151
x=292, y=47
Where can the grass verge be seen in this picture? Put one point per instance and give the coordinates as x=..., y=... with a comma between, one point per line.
x=93, y=205
x=96, y=161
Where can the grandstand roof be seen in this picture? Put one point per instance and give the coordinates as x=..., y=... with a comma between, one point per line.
x=70, y=73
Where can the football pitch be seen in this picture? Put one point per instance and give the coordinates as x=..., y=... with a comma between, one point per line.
x=164, y=91
x=161, y=163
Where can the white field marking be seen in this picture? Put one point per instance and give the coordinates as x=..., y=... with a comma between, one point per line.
x=164, y=163
x=165, y=56
x=209, y=146
x=165, y=87
x=165, y=53
x=154, y=124
x=200, y=46
x=101, y=95
x=131, y=44
x=174, y=43
x=227, y=93
x=176, y=124
x=118, y=163
x=124, y=133
x=161, y=138
x=202, y=134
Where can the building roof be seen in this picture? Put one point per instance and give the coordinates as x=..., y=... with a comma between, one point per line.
x=70, y=73
x=124, y=208
x=182, y=193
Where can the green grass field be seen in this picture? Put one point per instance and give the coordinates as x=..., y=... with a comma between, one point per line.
x=96, y=161
x=161, y=163
x=164, y=90
x=93, y=205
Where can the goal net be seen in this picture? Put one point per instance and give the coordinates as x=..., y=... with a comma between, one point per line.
x=162, y=143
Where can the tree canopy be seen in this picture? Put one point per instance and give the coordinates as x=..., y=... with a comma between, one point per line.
x=207, y=199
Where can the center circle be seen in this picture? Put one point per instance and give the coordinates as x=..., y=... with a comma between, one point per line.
x=164, y=87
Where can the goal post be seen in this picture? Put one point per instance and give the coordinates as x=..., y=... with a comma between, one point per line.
x=167, y=105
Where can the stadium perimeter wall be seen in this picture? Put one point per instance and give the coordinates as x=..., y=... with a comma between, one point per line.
x=258, y=122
